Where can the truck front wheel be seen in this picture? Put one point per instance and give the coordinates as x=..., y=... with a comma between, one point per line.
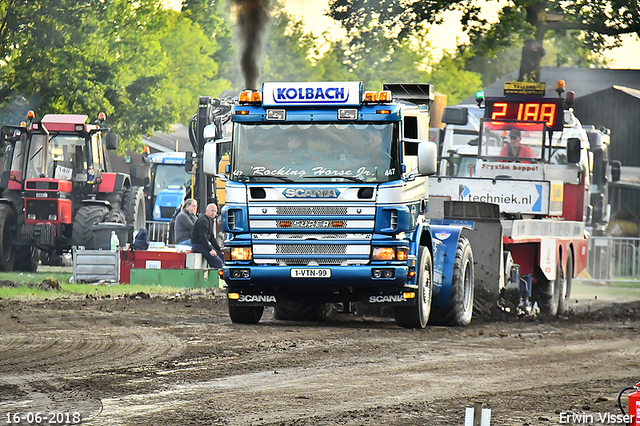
x=245, y=314
x=416, y=316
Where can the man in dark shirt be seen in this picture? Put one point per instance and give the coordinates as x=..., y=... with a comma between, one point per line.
x=203, y=239
x=185, y=221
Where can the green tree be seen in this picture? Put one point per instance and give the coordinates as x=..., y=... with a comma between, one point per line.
x=142, y=65
x=289, y=50
x=595, y=25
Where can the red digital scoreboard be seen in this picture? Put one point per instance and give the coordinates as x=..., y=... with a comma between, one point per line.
x=547, y=110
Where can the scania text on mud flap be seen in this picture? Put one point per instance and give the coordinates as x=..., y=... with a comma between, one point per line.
x=526, y=182
x=326, y=194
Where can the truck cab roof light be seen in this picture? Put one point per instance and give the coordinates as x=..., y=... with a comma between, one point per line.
x=347, y=114
x=31, y=115
x=369, y=97
x=560, y=87
x=276, y=114
x=385, y=96
x=479, y=97
x=79, y=127
x=571, y=95
x=250, y=97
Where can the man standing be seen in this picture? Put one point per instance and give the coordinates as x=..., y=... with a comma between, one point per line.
x=203, y=240
x=514, y=149
x=184, y=222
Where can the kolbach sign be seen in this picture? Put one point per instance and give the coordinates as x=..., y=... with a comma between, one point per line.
x=317, y=93
x=528, y=197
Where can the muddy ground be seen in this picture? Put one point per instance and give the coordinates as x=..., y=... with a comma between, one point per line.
x=178, y=360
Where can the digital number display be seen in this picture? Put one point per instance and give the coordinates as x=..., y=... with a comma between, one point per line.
x=547, y=110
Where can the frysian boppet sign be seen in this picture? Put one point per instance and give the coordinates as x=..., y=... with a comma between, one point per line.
x=529, y=197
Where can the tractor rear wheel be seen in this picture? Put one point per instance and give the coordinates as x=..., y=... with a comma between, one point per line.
x=86, y=216
x=7, y=252
x=134, y=208
x=548, y=292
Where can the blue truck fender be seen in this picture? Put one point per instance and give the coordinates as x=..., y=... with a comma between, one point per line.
x=445, y=239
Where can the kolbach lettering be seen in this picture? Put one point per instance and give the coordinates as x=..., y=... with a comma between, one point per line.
x=309, y=93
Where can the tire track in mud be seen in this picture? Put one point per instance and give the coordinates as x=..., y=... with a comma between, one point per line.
x=37, y=365
x=334, y=387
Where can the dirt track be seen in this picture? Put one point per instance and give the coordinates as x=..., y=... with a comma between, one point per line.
x=179, y=361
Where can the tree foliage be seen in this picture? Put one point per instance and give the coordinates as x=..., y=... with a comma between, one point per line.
x=141, y=64
x=591, y=26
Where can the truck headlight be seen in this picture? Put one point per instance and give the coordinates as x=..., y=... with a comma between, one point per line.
x=383, y=253
x=241, y=253
x=390, y=253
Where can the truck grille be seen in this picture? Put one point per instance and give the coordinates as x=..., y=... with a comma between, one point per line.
x=42, y=208
x=312, y=210
x=326, y=249
x=167, y=212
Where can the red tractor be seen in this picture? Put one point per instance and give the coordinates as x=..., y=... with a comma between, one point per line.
x=56, y=184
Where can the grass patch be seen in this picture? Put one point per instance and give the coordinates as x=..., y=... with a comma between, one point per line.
x=83, y=290
x=35, y=277
x=27, y=285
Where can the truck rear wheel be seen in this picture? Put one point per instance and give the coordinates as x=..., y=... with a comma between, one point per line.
x=245, y=314
x=460, y=308
x=416, y=316
x=298, y=312
x=86, y=216
x=7, y=252
x=549, y=292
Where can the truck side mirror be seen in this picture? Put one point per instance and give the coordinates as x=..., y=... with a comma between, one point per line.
x=210, y=159
x=188, y=162
x=573, y=150
x=427, y=158
x=615, y=170
x=112, y=141
x=210, y=132
x=455, y=115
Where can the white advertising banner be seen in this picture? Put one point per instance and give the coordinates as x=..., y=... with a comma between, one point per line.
x=305, y=93
x=513, y=196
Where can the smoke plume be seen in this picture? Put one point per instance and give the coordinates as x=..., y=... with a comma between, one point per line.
x=252, y=17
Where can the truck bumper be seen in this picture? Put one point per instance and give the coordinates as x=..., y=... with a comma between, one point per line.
x=278, y=285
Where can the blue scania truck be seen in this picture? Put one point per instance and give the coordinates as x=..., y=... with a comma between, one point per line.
x=326, y=206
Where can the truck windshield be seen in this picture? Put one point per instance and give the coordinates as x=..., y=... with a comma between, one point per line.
x=304, y=152
x=512, y=141
x=170, y=176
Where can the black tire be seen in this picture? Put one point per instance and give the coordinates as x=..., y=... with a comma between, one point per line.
x=245, y=314
x=459, y=311
x=27, y=258
x=565, y=289
x=116, y=216
x=298, y=312
x=134, y=208
x=114, y=199
x=416, y=316
x=86, y=216
x=548, y=292
x=7, y=251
